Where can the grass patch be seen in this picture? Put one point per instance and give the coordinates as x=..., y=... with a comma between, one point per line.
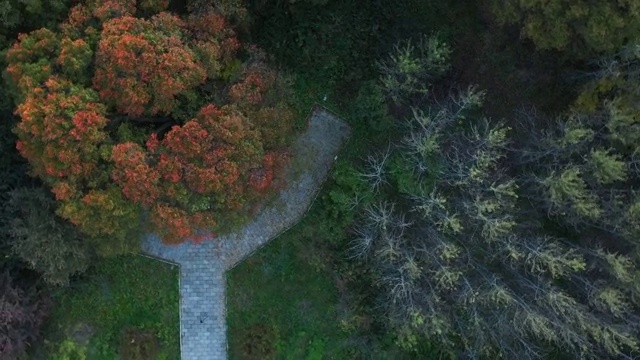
x=118, y=297
x=279, y=306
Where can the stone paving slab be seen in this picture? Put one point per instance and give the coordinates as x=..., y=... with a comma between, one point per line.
x=203, y=266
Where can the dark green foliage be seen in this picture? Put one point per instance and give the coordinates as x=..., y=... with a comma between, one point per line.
x=70, y=350
x=23, y=310
x=138, y=344
x=13, y=172
x=335, y=42
x=47, y=243
x=13, y=168
x=371, y=113
x=582, y=27
x=337, y=209
x=257, y=342
x=25, y=15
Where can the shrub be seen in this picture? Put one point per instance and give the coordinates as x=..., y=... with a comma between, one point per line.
x=582, y=27
x=138, y=344
x=44, y=241
x=22, y=312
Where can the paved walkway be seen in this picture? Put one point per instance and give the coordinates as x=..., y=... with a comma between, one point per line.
x=203, y=331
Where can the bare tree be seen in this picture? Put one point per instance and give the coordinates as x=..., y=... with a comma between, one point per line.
x=455, y=258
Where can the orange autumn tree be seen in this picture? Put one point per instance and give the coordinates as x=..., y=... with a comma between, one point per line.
x=141, y=120
x=141, y=65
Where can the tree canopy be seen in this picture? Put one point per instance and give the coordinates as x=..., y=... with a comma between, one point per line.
x=18, y=15
x=133, y=116
x=462, y=258
x=583, y=27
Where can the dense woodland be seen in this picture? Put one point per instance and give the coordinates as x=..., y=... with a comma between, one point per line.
x=487, y=205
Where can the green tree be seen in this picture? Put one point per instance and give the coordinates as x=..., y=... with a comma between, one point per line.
x=583, y=27
x=409, y=69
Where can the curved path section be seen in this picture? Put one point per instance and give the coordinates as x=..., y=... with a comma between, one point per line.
x=203, y=330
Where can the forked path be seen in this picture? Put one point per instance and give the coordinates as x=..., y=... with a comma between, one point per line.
x=203, y=329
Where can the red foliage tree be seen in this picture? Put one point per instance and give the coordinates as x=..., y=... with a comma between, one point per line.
x=214, y=42
x=141, y=65
x=201, y=165
x=96, y=104
x=74, y=59
x=268, y=176
x=61, y=130
x=138, y=180
x=30, y=60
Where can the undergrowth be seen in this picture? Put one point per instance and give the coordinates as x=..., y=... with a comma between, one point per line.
x=117, y=300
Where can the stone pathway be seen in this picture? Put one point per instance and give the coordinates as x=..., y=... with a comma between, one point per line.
x=203, y=330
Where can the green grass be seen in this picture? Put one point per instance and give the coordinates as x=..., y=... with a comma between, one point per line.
x=279, y=306
x=116, y=294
